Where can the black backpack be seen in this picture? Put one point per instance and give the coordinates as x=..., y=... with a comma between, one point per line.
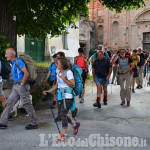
x=5, y=69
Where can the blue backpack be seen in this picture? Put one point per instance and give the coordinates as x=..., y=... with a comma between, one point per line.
x=77, y=71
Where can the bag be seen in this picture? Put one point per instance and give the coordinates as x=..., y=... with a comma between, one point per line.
x=142, y=60
x=5, y=69
x=30, y=67
x=77, y=71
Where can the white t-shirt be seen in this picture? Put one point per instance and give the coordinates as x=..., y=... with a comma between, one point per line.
x=62, y=84
x=0, y=69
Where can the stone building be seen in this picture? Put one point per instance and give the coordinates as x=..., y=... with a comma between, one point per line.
x=128, y=29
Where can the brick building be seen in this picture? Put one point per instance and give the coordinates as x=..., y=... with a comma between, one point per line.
x=126, y=29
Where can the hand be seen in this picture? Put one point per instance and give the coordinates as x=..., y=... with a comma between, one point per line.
x=107, y=78
x=44, y=92
x=63, y=77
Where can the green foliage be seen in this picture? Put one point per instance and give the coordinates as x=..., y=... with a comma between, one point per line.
x=43, y=64
x=3, y=46
x=119, y=5
x=38, y=18
x=37, y=95
x=89, y=77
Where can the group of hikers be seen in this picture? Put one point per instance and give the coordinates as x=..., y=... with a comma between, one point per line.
x=127, y=68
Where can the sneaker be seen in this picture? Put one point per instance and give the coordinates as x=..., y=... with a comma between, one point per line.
x=63, y=138
x=122, y=103
x=58, y=118
x=76, y=128
x=97, y=104
x=133, y=91
x=82, y=100
x=138, y=87
x=105, y=101
x=30, y=127
x=54, y=104
x=80, y=96
x=74, y=113
x=128, y=103
x=3, y=126
x=141, y=86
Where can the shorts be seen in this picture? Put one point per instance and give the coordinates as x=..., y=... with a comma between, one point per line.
x=84, y=76
x=102, y=81
x=1, y=89
x=135, y=72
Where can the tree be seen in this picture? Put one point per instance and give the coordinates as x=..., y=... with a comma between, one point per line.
x=38, y=18
x=119, y=5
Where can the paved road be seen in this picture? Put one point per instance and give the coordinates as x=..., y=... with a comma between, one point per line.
x=96, y=124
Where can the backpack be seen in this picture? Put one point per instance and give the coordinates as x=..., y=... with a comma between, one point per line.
x=142, y=59
x=77, y=71
x=30, y=67
x=5, y=69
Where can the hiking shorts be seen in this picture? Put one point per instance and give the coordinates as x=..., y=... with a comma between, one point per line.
x=1, y=89
x=135, y=72
x=102, y=81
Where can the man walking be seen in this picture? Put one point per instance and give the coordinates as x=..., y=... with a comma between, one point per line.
x=2, y=97
x=125, y=65
x=102, y=69
x=139, y=79
x=20, y=91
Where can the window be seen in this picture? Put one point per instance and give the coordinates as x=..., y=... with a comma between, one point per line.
x=64, y=41
x=115, y=30
x=100, y=34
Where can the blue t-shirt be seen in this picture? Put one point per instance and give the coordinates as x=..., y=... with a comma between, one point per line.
x=102, y=67
x=52, y=68
x=95, y=55
x=16, y=73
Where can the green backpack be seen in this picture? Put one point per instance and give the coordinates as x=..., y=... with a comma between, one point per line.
x=5, y=69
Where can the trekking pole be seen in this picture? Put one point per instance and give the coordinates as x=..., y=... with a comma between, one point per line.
x=53, y=113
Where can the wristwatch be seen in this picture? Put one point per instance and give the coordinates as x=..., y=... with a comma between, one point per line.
x=22, y=84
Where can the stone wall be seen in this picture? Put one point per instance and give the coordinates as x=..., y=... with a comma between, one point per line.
x=8, y=84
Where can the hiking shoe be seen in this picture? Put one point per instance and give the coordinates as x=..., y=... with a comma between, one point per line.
x=133, y=91
x=58, y=118
x=3, y=126
x=105, y=101
x=97, y=104
x=54, y=104
x=63, y=138
x=76, y=128
x=30, y=127
x=128, y=103
x=74, y=113
x=10, y=118
x=82, y=100
x=122, y=103
x=138, y=87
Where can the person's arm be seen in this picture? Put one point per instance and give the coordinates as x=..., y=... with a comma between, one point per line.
x=25, y=77
x=75, y=60
x=110, y=71
x=138, y=58
x=70, y=82
x=86, y=63
x=94, y=75
x=51, y=90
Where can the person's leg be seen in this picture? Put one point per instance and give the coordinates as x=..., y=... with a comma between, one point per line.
x=128, y=92
x=11, y=101
x=98, y=85
x=105, y=95
x=141, y=76
x=122, y=90
x=133, y=84
x=25, y=100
